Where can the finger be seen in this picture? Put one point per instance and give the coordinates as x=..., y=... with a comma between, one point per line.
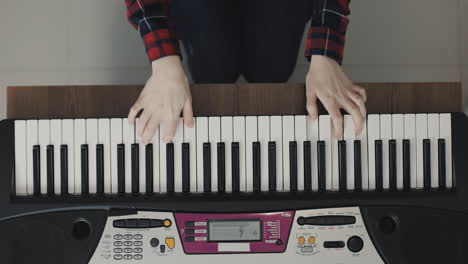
x=187, y=113
x=312, y=106
x=337, y=119
x=170, y=127
x=134, y=111
x=141, y=122
x=361, y=91
x=150, y=129
x=355, y=113
x=359, y=101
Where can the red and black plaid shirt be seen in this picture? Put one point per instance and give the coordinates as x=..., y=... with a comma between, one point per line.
x=326, y=35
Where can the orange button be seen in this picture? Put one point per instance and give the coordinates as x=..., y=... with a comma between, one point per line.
x=311, y=240
x=167, y=223
x=301, y=240
x=170, y=242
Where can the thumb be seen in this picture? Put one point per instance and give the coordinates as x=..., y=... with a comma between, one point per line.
x=187, y=113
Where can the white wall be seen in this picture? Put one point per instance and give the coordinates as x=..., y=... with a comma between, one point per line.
x=63, y=42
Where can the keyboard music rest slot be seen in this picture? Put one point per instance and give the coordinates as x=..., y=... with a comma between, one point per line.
x=392, y=165
x=84, y=169
x=149, y=168
x=100, y=169
x=221, y=167
x=427, y=164
x=135, y=158
x=357, y=165
x=342, y=165
x=186, y=167
x=293, y=166
x=37, y=169
x=307, y=166
x=206, y=167
x=121, y=168
x=378, y=165
x=170, y=167
x=406, y=165
x=321, y=165
x=235, y=166
x=442, y=165
x=63, y=169
x=256, y=169
x=50, y=170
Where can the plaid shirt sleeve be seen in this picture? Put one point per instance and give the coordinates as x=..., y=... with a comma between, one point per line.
x=151, y=19
x=328, y=28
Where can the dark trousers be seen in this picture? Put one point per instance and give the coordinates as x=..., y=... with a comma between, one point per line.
x=223, y=39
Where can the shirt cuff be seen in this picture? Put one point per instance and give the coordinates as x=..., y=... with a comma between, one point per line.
x=327, y=42
x=160, y=43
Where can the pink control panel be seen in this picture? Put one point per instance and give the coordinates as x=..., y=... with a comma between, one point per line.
x=234, y=233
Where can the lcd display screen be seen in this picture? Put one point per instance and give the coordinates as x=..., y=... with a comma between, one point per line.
x=233, y=230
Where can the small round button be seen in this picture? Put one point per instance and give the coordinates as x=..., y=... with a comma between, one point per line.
x=138, y=236
x=387, y=225
x=128, y=250
x=300, y=221
x=118, y=236
x=118, y=243
x=128, y=236
x=167, y=223
x=118, y=257
x=128, y=243
x=355, y=244
x=138, y=243
x=154, y=242
x=118, y=250
x=137, y=257
x=137, y=250
x=128, y=257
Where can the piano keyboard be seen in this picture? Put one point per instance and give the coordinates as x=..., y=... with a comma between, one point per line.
x=398, y=152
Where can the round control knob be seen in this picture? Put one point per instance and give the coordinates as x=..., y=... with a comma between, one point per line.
x=154, y=242
x=355, y=244
x=300, y=221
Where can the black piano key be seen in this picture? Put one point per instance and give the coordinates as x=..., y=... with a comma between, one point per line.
x=357, y=166
x=185, y=167
x=378, y=165
x=149, y=168
x=272, y=166
x=50, y=170
x=170, y=167
x=307, y=166
x=406, y=165
x=221, y=167
x=392, y=163
x=321, y=165
x=442, y=166
x=64, y=169
x=100, y=169
x=427, y=164
x=84, y=169
x=37, y=170
x=206, y=167
x=235, y=166
x=121, y=168
x=135, y=158
x=293, y=166
x=342, y=166
x=256, y=166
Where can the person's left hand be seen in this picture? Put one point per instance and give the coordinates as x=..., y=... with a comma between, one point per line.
x=327, y=82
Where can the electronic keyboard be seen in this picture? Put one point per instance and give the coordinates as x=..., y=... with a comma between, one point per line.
x=254, y=188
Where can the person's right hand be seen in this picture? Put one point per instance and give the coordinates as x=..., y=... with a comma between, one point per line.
x=165, y=95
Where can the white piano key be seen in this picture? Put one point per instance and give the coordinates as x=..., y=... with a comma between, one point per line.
x=116, y=139
x=251, y=132
x=128, y=136
x=373, y=134
x=313, y=137
x=446, y=134
x=335, y=181
x=421, y=134
x=156, y=162
x=214, y=136
x=91, y=139
x=362, y=137
x=433, y=135
x=21, y=171
x=276, y=135
x=190, y=137
x=410, y=134
x=162, y=160
x=288, y=136
x=398, y=134
x=300, y=135
x=239, y=136
x=104, y=138
x=68, y=139
x=177, y=140
x=349, y=135
x=141, y=162
x=227, y=138
x=44, y=141
x=385, y=136
x=80, y=139
x=32, y=139
x=202, y=137
x=56, y=141
x=325, y=134
x=264, y=138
